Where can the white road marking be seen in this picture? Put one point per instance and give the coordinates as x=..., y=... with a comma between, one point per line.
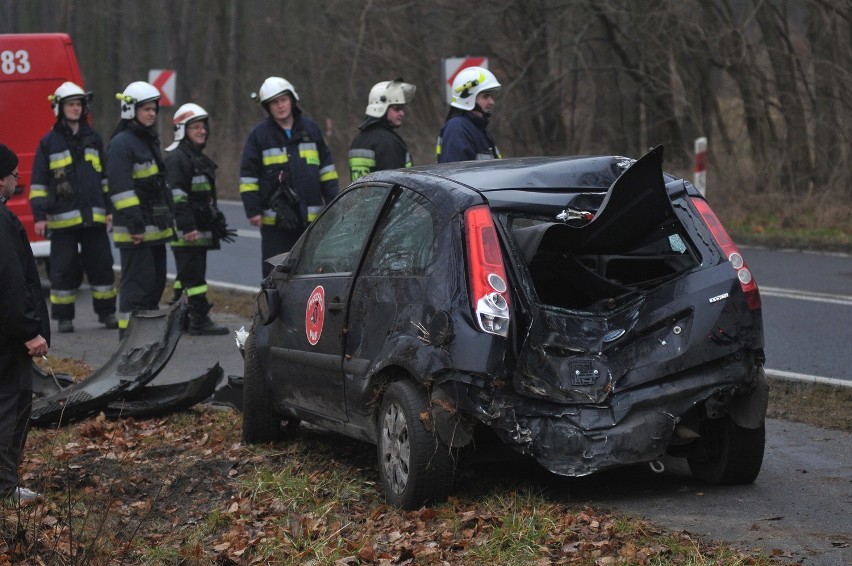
x=805, y=295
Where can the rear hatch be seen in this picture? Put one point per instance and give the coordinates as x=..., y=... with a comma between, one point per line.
x=618, y=288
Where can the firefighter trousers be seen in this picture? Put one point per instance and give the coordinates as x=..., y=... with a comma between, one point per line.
x=191, y=265
x=143, y=280
x=72, y=253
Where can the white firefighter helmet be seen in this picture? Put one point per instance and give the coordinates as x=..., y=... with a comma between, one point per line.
x=385, y=93
x=273, y=87
x=136, y=93
x=184, y=116
x=65, y=92
x=470, y=82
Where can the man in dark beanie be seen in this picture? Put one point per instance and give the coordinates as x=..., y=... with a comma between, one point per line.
x=24, y=333
x=8, y=162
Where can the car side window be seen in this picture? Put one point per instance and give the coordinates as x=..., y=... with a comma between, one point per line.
x=405, y=241
x=337, y=237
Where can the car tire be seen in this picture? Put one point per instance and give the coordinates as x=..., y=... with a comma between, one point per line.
x=414, y=465
x=727, y=453
x=260, y=421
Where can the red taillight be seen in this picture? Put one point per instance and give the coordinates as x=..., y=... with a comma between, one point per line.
x=489, y=293
x=747, y=282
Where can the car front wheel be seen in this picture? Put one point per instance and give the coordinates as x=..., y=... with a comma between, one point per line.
x=414, y=465
x=260, y=421
x=727, y=453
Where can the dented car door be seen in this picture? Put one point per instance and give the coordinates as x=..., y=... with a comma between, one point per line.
x=306, y=347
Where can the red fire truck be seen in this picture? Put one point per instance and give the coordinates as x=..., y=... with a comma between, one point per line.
x=32, y=66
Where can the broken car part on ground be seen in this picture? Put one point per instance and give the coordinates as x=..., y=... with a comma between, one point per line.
x=122, y=387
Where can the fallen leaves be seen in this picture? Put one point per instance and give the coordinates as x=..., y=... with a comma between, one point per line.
x=183, y=489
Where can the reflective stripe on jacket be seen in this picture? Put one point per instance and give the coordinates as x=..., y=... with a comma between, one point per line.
x=137, y=188
x=191, y=176
x=75, y=162
x=304, y=160
x=376, y=148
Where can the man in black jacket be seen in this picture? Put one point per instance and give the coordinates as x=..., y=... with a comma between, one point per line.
x=24, y=332
x=378, y=146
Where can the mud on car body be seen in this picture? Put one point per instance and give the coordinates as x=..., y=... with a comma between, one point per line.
x=590, y=311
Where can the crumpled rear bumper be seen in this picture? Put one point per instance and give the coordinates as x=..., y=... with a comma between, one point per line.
x=633, y=426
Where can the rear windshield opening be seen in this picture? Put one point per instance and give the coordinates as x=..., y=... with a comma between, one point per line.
x=577, y=276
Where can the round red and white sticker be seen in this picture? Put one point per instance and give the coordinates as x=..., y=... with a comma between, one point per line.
x=315, y=315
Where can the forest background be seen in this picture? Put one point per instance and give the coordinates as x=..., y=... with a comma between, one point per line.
x=768, y=82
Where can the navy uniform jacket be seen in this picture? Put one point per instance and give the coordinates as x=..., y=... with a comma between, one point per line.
x=304, y=159
x=191, y=176
x=464, y=137
x=137, y=188
x=77, y=159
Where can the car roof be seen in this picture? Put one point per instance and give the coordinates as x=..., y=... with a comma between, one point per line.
x=574, y=172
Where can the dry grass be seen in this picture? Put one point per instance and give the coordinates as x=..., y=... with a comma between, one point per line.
x=823, y=406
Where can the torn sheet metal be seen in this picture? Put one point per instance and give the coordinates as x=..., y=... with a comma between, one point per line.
x=148, y=343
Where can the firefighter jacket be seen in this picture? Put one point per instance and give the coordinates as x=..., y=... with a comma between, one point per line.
x=23, y=312
x=377, y=147
x=191, y=176
x=69, y=187
x=465, y=137
x=301, y=162
x=137, y=187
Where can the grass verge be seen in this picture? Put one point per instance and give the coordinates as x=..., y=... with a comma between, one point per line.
x=184, y=490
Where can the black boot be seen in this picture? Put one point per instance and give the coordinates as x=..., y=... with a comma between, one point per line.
x=200, y=323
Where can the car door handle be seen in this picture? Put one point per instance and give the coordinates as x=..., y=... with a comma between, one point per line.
x=335, y=307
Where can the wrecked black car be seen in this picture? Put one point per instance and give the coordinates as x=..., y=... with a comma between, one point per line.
x=591, y=312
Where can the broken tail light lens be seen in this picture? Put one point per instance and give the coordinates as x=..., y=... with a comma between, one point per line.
x=747, y=282
x=488, y=288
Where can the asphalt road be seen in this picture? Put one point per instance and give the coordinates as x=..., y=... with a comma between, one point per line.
x=800, y=507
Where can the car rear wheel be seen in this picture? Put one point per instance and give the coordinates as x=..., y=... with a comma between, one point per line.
x=414, y=465
x=727, y=453
x=260, y=421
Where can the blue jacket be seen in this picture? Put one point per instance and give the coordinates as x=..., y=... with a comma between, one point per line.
x=465, y=137
x=303, y=160
x=76, y=160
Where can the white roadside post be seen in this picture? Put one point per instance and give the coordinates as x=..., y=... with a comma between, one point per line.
x=701, y=165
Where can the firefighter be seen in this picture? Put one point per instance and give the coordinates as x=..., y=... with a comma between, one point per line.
x=465, y=134
x=70, y=206
x=191, y=175
x=377, y=146
x=143, y=218
x=287, y=174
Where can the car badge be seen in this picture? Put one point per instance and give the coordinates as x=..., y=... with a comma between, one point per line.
x=613, y=335
x=718, y=298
